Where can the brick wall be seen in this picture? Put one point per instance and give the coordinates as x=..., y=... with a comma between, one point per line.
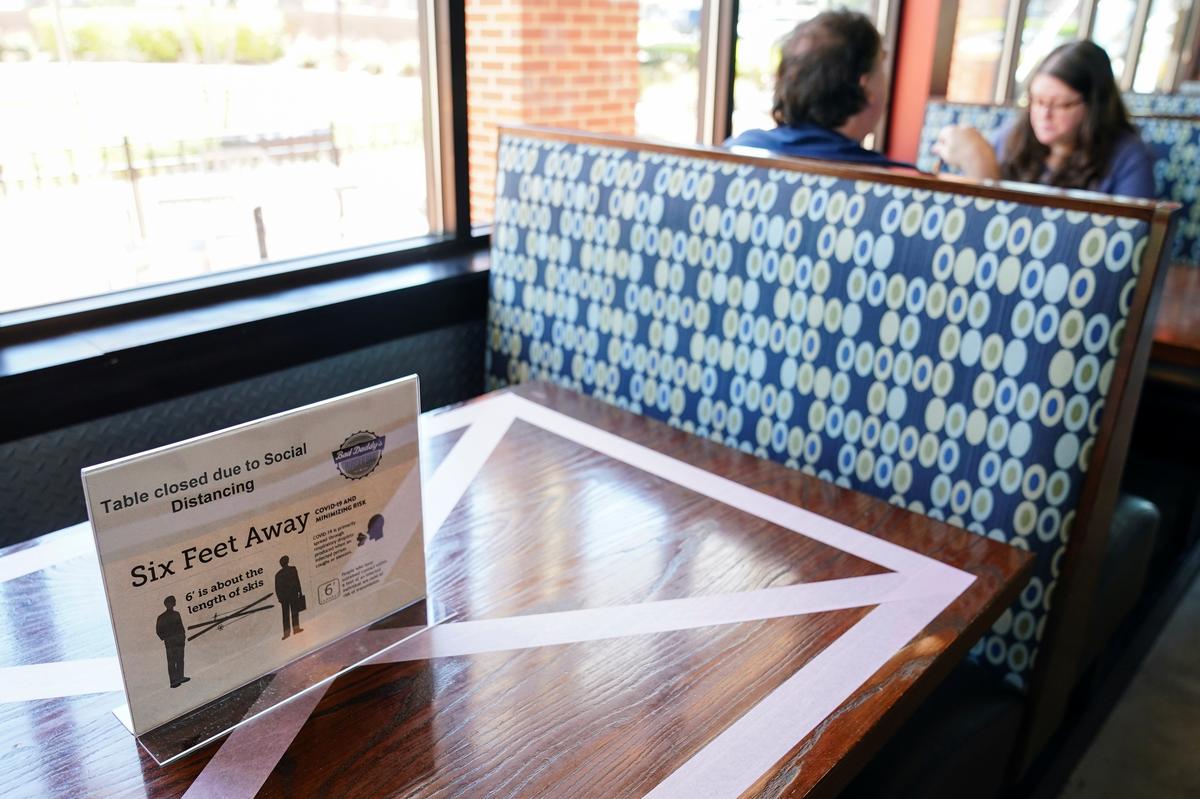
x=560, y=63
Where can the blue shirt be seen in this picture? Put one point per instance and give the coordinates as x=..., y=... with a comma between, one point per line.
x=1130, y=170
x=811, y=141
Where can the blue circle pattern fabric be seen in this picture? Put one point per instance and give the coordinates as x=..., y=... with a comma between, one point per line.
x=1157, y=104
x=1176, y=146
x=950, y=354
x=1175, y=143
x=987, y=119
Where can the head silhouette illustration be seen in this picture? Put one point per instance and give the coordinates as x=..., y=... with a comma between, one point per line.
x=283, y=561
x=169, y=602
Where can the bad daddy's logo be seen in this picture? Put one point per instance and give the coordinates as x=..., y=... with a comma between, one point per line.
x=359, y=454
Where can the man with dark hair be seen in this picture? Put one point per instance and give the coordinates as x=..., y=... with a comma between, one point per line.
x=169, y=628
x=830, y=92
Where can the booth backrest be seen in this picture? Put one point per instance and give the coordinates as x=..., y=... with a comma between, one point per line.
x=1157, y=104
x=1174, y=140
x=1176, y=145
x=963, y=351
x=987, y=119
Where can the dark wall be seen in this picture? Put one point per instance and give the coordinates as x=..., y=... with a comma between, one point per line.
x=40, y=488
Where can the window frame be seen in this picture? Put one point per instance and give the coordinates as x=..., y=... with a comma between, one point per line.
x=725, y=21
x=1005, y=90
x=718, y=47
x=442, y=41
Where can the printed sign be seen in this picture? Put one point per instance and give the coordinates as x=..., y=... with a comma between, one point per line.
x=229, y=555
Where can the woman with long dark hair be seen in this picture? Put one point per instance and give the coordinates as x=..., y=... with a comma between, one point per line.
x=1075, y=132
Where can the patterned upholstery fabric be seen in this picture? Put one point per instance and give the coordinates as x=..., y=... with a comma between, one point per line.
x=1175, y=142
x=987, y=119
x=1161, y=104
x=1176, y=146
x=948, y=353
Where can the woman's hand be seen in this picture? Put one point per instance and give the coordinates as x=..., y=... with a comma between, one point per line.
x=965, y=149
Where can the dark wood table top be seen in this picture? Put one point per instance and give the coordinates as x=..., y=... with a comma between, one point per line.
x=638, y=612
x=1177, y=328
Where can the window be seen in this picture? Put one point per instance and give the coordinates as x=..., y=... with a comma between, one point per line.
x=990, y=63
x=148, y=141
x=668, y=40
x=1161, y=45
x=1111, y=30
x=761, y=27
x=621, y=66
x=1048, y=23
x=978, y=47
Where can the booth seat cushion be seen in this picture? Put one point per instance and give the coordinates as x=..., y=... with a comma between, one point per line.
x=1131, y=542
x=1174, y=141
x=948, y=353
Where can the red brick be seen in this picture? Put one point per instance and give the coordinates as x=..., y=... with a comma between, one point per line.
x=561, y=63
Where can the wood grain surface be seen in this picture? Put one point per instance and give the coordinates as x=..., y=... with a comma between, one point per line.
x=548, y=525
x=1177, y=327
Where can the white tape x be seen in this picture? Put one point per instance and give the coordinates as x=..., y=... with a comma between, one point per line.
x=905, y=600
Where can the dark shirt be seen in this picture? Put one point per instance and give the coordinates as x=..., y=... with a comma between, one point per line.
x=1130, y=170
x=812, y=141
x=287, y=583
x=170, y=627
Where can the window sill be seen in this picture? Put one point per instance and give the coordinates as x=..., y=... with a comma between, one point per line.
x=68, y=377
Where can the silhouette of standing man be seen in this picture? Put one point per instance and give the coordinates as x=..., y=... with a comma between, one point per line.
x=170, y=631
x=289, y=594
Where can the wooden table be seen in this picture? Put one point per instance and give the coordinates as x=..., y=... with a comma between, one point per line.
x=622, y=630
x=1177, y=329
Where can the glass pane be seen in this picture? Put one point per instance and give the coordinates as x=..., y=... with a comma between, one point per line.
x=1112, y=30
x=1048, y=23
x=147, y=141
x=978, y=44
x=621, y=66
x=761, y=26
x=1160, y=49
x=668, y=39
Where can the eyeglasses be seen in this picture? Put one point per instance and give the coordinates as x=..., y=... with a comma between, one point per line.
x=1052, y=106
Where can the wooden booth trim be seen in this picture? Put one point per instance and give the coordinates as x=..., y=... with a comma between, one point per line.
x=1002, y=190
x=1066, y=626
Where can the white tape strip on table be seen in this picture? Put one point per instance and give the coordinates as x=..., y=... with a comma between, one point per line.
x=907, y=599
x=73, y=542
x=65, y=678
